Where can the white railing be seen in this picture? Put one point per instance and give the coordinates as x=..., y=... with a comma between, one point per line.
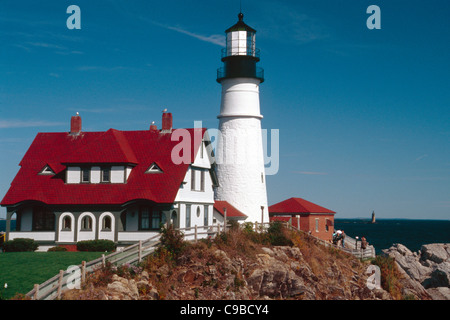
x=64, y=280
x=54, y=287
x=135, y=236
x=350, y=245
x=37, y=236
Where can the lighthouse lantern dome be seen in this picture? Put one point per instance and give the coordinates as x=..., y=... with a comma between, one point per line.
x=240, y=40
x=240, y=54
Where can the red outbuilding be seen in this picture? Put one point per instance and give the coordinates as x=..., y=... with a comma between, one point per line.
x=306, y=216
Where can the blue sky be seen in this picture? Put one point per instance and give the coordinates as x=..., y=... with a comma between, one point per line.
x=363, y=115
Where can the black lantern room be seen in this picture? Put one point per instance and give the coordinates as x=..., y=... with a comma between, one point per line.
x=240, y=55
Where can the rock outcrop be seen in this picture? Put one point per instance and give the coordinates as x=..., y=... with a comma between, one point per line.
x=279, y=272
x=426, y=272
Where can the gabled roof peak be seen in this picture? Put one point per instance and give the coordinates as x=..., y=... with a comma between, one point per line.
x=297, y=205
x=110, y=147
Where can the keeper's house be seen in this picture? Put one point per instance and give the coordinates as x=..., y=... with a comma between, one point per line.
x=306, y=216
x=115, y=185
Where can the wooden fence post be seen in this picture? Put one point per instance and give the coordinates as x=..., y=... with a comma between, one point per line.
x=36, y=291
x=83, y=271
x=60, y=281
x=225, y=219
x=196, y=234
x=140, y=251
x=103, y=261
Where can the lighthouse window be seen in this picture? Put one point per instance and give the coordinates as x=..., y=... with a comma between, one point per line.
x=251, y=43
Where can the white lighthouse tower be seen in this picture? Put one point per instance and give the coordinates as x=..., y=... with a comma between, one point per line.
x=239, y=150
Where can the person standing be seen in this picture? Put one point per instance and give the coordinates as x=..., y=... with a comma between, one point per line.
x=343, y=238
x=363, y=243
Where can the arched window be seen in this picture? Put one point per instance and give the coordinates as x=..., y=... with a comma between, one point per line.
x=173, y=218
x=106, y=223
x=67, y=223
x=86, y=223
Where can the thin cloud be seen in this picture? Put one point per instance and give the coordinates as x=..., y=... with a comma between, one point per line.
x=46, y=45
x=9, y=124
x=102, y=68
x=421, y=157
x=216, y=39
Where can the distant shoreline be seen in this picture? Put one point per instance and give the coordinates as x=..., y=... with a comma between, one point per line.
x=370, y=219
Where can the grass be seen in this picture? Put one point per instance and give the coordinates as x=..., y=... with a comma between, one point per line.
x=21, y=270
x=390, y=276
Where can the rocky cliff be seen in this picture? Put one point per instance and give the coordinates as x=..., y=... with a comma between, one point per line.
x=232, y=271
x=426, y=272
x=239, y=266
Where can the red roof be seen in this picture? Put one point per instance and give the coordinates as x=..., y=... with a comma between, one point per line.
x=282, y=219
x=297, y=205
x=139, y=148
x=109, y=147
x=232, y=212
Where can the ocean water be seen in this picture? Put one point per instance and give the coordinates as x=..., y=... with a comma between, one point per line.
x=385, y=232
x=3, y=224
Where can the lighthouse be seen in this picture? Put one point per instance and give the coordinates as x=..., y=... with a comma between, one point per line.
x=239, y=149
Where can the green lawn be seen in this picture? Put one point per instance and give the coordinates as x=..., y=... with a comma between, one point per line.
x=21, y=270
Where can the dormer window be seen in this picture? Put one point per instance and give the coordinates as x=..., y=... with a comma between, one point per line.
x=154, y=168
x=85, y=175
x=47, y=171
x=106, y=174
x=97, y=174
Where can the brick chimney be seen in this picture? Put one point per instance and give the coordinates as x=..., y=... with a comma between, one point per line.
x=153, y=126
x=75, y=125
x=166, y=122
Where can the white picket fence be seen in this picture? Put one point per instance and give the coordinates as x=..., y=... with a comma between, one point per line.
x=65, y=279
x=351, y=246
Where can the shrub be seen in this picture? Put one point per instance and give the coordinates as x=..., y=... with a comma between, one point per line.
x=57, y=249
x=390, y=276
x=277, y=235
x=20, y=245
x=96, y=245
x=172, y=241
